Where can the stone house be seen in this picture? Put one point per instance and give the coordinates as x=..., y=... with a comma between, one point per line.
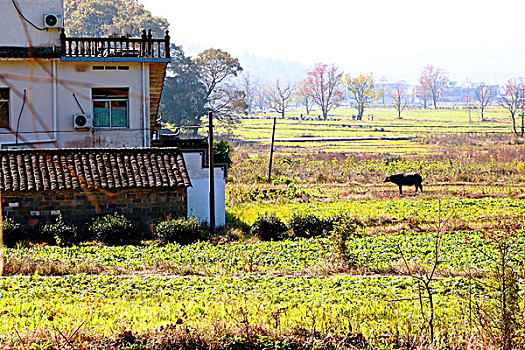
x=144, y=184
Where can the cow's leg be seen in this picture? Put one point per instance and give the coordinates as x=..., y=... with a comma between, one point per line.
x=400, y=189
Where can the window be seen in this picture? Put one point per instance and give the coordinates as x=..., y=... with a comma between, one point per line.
x=110, y=107
x=110, y=67
x=4, y=107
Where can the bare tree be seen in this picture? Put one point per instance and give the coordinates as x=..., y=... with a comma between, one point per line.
x=280, y=96
x=399, y=96
x=434, y=81
x=483, y=95
x=248, y=86
x=259, y=98
x=228, y=103
x=513, y=102
x=425, y=274
x=422, y=94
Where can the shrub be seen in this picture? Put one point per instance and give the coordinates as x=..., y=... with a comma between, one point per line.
x=113, y=229
x=344, y=228
x=268, y=227
x=222, y=147
x=500, y=313
x=62, y=233
x=181, y=230
x=12, y=232
x=309, y=225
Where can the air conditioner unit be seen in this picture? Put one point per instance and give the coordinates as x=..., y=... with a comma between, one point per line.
x=82, y=121
x=53, y=20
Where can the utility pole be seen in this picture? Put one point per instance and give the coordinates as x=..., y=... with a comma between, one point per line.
x=271, y=151
x=211, y=173
x=468, y=104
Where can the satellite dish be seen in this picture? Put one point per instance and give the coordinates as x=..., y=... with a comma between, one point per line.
x=113, y=31
x=126, y=31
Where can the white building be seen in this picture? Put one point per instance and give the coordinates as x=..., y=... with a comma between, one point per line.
x=63, y=92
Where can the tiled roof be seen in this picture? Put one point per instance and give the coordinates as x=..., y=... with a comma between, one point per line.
x=104, y=168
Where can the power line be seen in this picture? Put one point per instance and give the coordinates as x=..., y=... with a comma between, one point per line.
x=24, y=17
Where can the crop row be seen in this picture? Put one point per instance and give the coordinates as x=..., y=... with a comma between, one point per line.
x=460, y=251
x=464, y=209
x=198, y=258
x=107, y=305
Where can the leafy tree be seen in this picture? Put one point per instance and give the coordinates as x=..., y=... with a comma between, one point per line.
x=399, y=96
x=279, y=97
x=362, y=90
x=483, y=95
x=94, y=17
x=433, y=81
x=383, y=87
x=223, y=98
x=184, y=96
x=304, y=95
x=324, y=83
x=513, y=101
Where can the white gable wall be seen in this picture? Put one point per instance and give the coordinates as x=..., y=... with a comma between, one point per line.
x=198, y=194
x=18, y=32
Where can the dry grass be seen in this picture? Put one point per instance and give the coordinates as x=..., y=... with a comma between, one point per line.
x=28, y=266
x=462, y=158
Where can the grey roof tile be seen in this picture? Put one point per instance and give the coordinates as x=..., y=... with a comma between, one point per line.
x=105, y=168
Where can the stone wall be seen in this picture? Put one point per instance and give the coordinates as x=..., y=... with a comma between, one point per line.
x=142, y=206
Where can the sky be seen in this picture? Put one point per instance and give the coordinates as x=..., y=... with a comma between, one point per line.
x=473, y=40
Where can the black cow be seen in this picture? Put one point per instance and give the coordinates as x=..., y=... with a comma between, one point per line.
x=401, y=180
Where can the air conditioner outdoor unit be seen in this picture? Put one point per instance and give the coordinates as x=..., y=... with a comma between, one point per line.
x=82, y=121
x=53, y=20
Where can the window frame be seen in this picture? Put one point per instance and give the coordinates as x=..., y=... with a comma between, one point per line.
x=8, y=103
x=108, y=99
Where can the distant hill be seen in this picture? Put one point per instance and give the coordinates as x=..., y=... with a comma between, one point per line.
x=264, y=70
x=268, y=70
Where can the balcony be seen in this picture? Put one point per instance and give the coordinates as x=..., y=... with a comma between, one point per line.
x=143, y=47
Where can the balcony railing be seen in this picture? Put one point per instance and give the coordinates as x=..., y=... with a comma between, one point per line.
x=145, y=46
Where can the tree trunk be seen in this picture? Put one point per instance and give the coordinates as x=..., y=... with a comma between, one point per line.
x=482, y=110
x=522, y=124
x=514, y=123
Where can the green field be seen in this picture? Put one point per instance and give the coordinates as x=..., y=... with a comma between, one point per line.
x=340, y=123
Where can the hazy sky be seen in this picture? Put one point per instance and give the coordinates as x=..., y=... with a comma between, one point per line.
x=471, y=39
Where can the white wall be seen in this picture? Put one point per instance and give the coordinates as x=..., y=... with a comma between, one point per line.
x=17, y=32
x=36, y=77
x=198, y=194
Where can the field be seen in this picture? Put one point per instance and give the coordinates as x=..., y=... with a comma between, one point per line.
x=377, y=123
x=418, y=270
